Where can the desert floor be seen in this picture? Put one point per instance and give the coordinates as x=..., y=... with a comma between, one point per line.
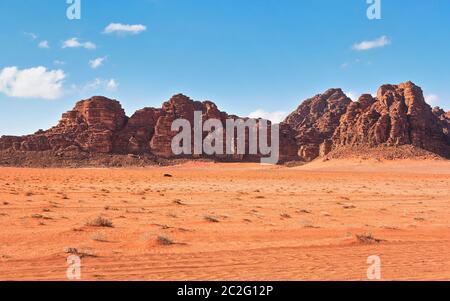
x=228, y=221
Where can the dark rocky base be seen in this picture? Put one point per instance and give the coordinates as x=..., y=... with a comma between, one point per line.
x=57, y=159
x=51, y=159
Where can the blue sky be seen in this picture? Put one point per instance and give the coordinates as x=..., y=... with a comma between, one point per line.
x=245, y=55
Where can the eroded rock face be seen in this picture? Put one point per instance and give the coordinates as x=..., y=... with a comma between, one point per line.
x=135, y=136
x=182, y=107
x=316, y=120
x=98, y=113
x=397, y=116
x=444, y=119
x=99, y=125
x=288, y=143
x=90, y=127
x=179, y=106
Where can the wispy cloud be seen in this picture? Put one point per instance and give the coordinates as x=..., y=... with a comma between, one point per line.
x=31, y=35
x=59, y=62
x=96, y=63
x=100, y=84
x=44, y=44
x=432, y=99
x=352, y=95
x=119, y=28
x=275, y=117
x=35, y=82
x=112, y=85
x=377, y=43
x=75, y=43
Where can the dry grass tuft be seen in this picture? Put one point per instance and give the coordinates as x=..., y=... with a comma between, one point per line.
x=100, y=222
x=164, y=241
x=367, y=238
x=179, y=202
x=80, y=253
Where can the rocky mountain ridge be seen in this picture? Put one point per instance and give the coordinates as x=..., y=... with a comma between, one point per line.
x=327, y=122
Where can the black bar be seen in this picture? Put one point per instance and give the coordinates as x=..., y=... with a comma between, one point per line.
x=264, y=290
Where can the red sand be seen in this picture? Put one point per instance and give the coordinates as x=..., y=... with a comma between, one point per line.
x=274, y=223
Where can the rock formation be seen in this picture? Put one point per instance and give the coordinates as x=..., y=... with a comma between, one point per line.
x=444, y=119
x=328, y=122
x=99, y=126
x=315, y=122
x=398, y=116
x=134, y=137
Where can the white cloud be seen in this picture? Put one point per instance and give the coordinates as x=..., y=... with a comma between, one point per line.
x=44, y=44
x=32, y=36
x=275, y=117
x=98, y=84
x=112, y=85
x=432, y=99
x=75, y=43
x=124, y=28
x=98, y=62
x=93, y=85
x=58, y=62
x=352, y=95
x=35, y=82
x=377, y=43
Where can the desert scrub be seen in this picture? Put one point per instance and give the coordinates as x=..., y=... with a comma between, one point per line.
x=100, y=222
x=367, y=238
x=164, y=241
x=78, y=252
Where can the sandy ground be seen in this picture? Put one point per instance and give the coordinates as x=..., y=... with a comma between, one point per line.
x=228, y=221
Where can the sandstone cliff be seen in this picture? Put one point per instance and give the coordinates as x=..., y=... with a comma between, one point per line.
x=329, y=122
x=315, y=122
x=398, y=115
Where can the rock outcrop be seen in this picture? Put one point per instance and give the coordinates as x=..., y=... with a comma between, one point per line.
x=315, y=122
x=444, y=119
x=398, y=116
x=89, y=127
x=134, y=137
x=99, y=126
x=180, y=107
